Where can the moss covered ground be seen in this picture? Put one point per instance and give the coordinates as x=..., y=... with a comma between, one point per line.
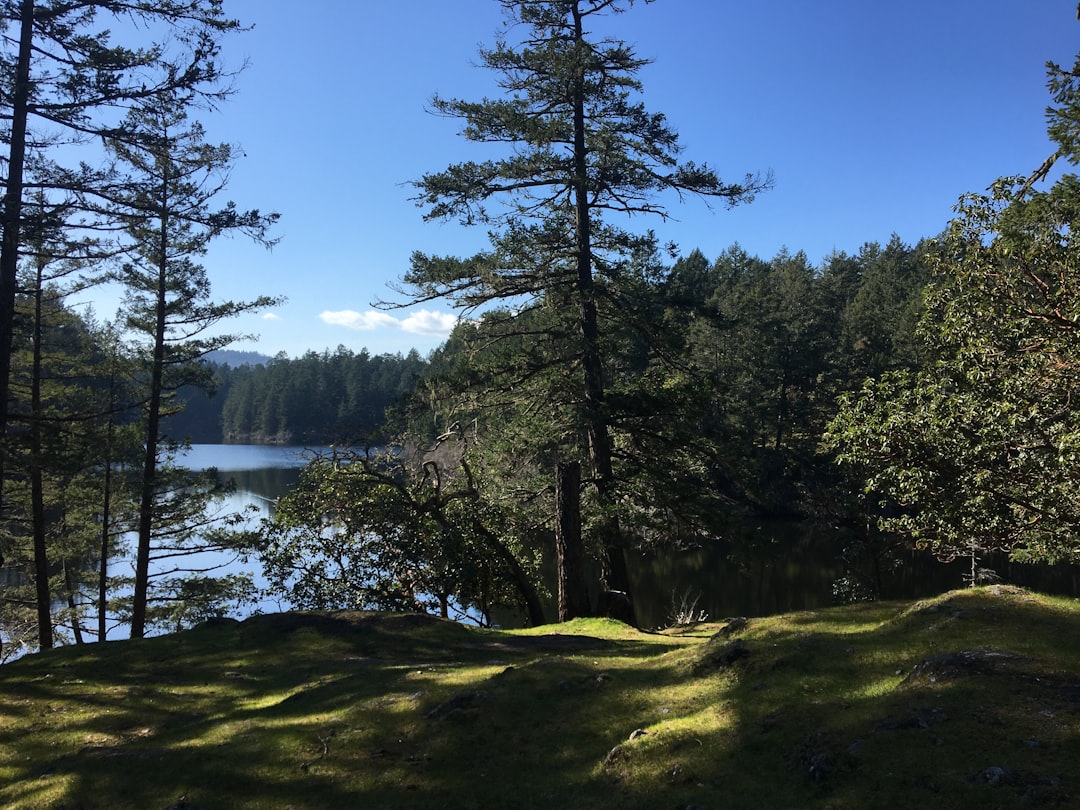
x=971, y=699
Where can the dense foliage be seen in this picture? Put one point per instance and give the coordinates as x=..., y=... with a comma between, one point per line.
x=586, y=155
x=685, y=394
x=755, y=352
x=674, y=393
x=978, y=450
x=406, y=528
x=107, y=179
x=320, y=398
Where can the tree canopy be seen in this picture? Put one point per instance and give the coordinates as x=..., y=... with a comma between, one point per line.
x=980, y=448
x=560, y=270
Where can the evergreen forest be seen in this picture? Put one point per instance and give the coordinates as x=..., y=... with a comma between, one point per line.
x=317, y=399
x=602, y=393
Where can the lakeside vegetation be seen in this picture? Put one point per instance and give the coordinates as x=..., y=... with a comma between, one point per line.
x=967, y=700
x=600, y=396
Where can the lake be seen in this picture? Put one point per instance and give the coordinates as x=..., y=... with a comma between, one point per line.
x=763, y=569
x=262, y=474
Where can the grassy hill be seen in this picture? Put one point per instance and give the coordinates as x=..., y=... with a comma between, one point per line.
x=968, y=700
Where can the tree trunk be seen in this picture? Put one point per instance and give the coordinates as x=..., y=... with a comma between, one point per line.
x=43, y=598
x=103, y=561
x=9, y=242
x=37, y=484
x=570, y=558
x=153, y=428
x=615, y=575
x=533, y=608
x=76, y=624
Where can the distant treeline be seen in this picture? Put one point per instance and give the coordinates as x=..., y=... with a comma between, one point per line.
x=780, y=340
x=319, y=398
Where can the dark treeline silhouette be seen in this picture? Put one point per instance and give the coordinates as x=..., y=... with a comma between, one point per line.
x=319, y=398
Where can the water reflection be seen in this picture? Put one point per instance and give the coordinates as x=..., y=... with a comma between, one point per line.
x=762, y=569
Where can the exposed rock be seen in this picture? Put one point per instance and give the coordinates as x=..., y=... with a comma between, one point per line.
x=816, y=758
x=717, y=655
x=614, y=755
x=948, y=666
x=736, y=625
x=992, y=775
x=1038, y=787
x=919, y=722
x=457, y=706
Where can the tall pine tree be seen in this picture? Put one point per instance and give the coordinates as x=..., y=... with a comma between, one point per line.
x=170, y=217
x=584, y=149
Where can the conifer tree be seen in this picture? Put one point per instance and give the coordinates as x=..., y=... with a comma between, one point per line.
x=68, y=85
x=169, y=215
x=585, y=150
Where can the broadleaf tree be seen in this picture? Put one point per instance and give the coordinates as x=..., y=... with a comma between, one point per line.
x=405, y=528
x=980, y=449
x=585, y=150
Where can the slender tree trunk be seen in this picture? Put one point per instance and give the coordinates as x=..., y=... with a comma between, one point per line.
x=12, y=214
x=106, y=521
x=106, y=495
x=153, y=427
x=533, y=607
x=43, y=598
x=76, y=625
x=149, y=486
x=615, y=574
x=573, y=593
x=37, y=485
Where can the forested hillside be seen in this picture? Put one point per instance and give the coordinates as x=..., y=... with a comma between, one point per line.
x=778, y=340
x=603, y=394
x=336, y=397
x=719, y=397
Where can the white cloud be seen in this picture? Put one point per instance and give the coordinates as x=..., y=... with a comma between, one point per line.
x=270, y=316
x=422, y=322
x=425, y=322
x=351, y=319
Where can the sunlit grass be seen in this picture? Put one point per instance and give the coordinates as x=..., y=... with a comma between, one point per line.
x=826, y=709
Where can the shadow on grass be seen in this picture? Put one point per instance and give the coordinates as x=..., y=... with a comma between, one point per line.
x=965, y=701
x=970, y=700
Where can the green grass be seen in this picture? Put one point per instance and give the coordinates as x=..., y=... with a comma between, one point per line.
x=851, y=707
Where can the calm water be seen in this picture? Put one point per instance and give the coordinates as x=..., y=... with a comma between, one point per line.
x=765, y=569
x=262, y=474
x=239, y=458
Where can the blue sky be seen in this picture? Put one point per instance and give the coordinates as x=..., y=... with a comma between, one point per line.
x=873, y=116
